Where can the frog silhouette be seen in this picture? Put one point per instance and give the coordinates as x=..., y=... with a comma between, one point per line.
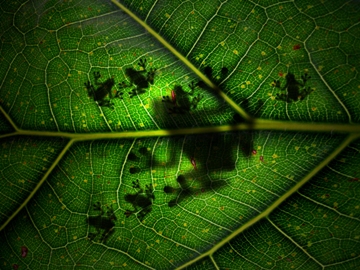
x=141, y=201
x=105, y=89
x=182, y=101
x=140, y=78
x=102, y=222
x=292, y=87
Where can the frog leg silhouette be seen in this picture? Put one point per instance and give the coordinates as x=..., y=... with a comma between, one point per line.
x=306, y=91
x=131, y=198
x=90, y=88
x=305, y=78
x=182, y=192
x=106, y=234
x=97, y=76
x=142, y=63
x=147, y=209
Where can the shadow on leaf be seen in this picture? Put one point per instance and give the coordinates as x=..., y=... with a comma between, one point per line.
x=141, y=201
x=206, y=155
x=104, y=223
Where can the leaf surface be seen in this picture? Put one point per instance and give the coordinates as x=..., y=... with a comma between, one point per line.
x=208, y=166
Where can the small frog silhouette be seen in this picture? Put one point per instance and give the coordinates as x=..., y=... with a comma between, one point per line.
x=182, y=101
x=104, y=89
x=292, y=87
x=208, y=72
x=140, y=199
x=102, y=222
x=138, y=79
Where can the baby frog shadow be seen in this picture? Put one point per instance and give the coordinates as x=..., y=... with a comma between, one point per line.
x=181, y=101
x=103, y=91
x=208, y=71
x=292, y=88
x=104, y=222
x=141, y=79
x=141, y=200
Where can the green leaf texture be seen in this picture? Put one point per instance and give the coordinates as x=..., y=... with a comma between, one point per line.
x=229, y=177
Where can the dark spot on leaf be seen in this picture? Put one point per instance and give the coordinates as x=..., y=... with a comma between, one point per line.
x=130, y=198
x=224, y=71
x=168, y=189
x=181, y=180
x=172, y=203
x=202, y=85
x=237, y=118
x=143, y=150
x=135, y=170
x=133, y=157
x=208, y=72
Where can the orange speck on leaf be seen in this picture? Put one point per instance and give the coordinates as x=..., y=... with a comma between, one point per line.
x=193, y=162
x=296, y=47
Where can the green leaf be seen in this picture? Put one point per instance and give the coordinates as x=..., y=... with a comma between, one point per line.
x=112, y=171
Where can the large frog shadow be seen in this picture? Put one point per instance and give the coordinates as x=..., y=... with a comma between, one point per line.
x=207, y=155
